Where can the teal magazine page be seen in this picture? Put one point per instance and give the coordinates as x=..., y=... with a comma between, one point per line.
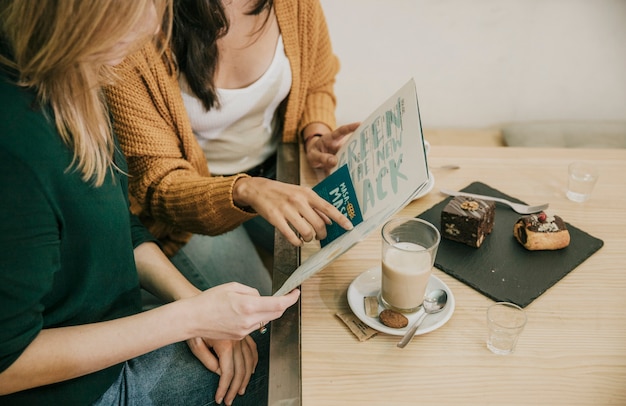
x=337, y=189
x=384, y=162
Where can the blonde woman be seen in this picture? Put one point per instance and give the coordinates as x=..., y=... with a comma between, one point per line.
x=71, y=330
x=201, y=130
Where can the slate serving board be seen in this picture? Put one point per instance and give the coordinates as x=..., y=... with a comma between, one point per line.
x=502, y=269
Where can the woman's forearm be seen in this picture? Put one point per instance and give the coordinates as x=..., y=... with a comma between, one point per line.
x=64, y=353
x=159, y=276
x=68, y=352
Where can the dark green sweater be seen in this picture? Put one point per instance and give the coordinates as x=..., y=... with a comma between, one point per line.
x=66, y=247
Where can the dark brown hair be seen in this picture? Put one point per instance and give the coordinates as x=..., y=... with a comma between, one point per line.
x=198, y=24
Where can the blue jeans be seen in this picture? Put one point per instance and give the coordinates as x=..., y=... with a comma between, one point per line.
x=260, y=230
x=208, y=261
x=172, y=375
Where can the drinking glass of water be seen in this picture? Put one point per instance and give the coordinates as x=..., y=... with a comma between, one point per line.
x=582, y=179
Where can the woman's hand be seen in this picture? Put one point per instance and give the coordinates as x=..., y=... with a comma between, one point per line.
x=231, y=311
x=321, y=150
x=233, y=361
x=297, y=212
x=221, y=319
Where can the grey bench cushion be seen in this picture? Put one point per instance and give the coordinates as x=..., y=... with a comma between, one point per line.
x=566, y=134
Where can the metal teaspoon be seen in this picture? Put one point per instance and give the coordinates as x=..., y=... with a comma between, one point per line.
x=434, y=302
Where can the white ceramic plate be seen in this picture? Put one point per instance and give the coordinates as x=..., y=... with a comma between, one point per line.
x=368, y=284
x=429, y=186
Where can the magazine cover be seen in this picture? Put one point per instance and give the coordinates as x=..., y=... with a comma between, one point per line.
x=338, y=189
x=381, y=167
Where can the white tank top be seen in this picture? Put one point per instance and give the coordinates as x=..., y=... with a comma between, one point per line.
x=240, y=134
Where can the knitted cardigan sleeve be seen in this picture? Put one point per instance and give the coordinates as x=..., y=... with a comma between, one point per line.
x=313, y=64
x=170, y=184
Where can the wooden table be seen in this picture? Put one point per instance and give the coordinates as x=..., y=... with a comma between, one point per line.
x=573, y=349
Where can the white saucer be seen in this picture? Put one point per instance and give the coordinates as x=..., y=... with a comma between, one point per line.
x=427, y=188
x=368, y=284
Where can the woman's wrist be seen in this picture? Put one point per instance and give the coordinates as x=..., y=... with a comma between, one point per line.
x=241, y=193
x=309, y=138
x=183, y=319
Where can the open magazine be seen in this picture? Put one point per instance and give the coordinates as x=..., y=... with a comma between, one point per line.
x=382, y=167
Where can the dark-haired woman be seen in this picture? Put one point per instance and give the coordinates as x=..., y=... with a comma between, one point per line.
x=242, y=76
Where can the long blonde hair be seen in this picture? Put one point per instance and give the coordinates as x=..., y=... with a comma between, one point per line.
x=57, y=48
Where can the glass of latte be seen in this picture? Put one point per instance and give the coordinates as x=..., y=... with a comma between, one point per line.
x=409, y=248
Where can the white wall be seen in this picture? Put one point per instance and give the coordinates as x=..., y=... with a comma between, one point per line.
x=481, y=63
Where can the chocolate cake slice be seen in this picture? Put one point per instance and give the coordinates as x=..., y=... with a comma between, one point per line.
x=467, y=220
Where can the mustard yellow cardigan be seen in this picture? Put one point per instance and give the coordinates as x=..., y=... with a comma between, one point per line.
x=170, y=186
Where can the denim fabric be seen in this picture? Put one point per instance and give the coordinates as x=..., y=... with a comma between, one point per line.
x=172, y=376
x=260, y=230
x=208, y=261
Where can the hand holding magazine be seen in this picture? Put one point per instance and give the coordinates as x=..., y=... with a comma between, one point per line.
x=382, y=166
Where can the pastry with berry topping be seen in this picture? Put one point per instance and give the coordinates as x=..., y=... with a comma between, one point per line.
x=541, y=232
x=467, y=220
